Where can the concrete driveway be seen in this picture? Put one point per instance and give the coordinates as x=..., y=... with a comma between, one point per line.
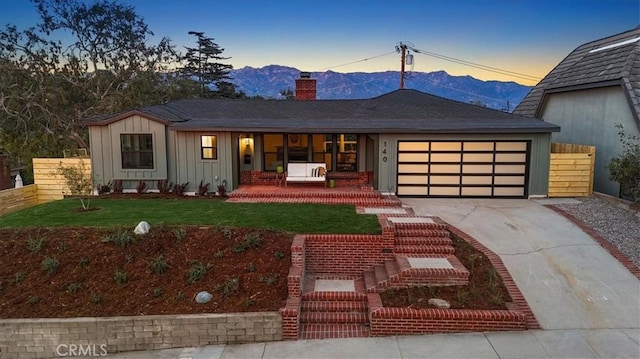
x=569, y=281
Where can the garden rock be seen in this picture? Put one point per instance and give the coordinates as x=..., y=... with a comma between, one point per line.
x=439, y=303
x=142, y=228
x=203, y=297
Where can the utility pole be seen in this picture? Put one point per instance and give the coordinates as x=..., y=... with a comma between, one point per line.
x=402, y=48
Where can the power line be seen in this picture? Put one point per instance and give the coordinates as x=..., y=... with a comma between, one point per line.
x=476, y=65
x=355, y=62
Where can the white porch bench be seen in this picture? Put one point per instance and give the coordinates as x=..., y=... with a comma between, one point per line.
x=306, y=172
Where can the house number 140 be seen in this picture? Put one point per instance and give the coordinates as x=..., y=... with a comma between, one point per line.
x=384, y=151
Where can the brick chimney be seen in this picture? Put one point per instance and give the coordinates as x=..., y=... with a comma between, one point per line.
x=305, y=87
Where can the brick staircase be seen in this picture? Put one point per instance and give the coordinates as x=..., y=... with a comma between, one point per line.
x=360, y=196
x=334, y=314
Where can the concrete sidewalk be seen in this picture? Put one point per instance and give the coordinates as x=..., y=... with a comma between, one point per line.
x=587, y=303
x=595, y=343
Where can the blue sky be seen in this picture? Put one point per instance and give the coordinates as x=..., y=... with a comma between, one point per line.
x=525, y=36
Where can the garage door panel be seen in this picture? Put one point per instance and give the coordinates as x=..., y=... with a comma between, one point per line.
x=412, y=191
x=435, y=169
x=444, y=191
x=414, y=179
x=477, y=180
x=404, y=168
x=511, y=157
x=463, y=169
x=476, y=191
x=445, y=180
x=413, y=157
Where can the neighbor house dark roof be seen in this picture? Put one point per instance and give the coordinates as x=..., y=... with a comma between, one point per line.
x=401, y=111
x=614, y=60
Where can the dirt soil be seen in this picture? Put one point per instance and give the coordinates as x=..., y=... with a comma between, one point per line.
x=485, y=290
x=246, y=270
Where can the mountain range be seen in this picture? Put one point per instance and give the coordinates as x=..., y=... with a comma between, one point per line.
x=269, y=81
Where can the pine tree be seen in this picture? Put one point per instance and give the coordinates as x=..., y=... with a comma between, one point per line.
x=203, y=62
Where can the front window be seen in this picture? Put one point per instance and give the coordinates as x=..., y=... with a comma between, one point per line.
x=273, y=152
x=347, y=152
x=137, y=151
x=209, y=147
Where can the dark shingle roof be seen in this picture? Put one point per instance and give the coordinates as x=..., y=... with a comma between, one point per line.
x=602, y=62
x=400, y=111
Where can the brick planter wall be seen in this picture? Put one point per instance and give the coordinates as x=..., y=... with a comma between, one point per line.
x=399, y=321
x=345, y=253
x=41, y=338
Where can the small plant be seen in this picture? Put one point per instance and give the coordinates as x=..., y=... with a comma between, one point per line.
x=129, y=257
x=179, y=189
x=157, y=292
x=141, y=187
x=625, y=167
x=121, y=239
x=197, y=271
x=20, y=276
x=158, y=265
x=229, y=286
x=62, y=247
x=120, y=277
x=249, y=302
x=118, y=188
x=74, y=287
x=227, y=233
x=251, y=240
x=96, y=298
x=164, y=186
x=50, y=264
x=203, y=189
x=33, y=300
x=180, y=296
x=270, y=280
x=219, y=254
x=251, y=267
x=279, y=255
x=222, y=190
x=180, y=234
x=104, y=188
x=36, y=244
x=462, y=297
x=78, y=180
x=83, y=262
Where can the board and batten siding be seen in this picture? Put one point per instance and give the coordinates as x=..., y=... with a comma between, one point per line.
x=538, y=180
x=106, y=159
x=187, y=164
x=589, y=117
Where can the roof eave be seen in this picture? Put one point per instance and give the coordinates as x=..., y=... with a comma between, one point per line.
x=122, y=116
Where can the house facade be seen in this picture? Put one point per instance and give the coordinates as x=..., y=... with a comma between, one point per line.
x=406, y=142
x=594, y=89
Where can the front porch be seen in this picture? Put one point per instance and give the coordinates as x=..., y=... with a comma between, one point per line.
x=357, y=195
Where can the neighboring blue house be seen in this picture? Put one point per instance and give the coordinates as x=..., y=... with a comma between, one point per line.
x=591, y=91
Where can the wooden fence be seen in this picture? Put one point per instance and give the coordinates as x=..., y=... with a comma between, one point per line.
x=571, y=170
x=51, y=185
x=15, y=199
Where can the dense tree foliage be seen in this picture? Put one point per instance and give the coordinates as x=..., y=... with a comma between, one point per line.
x=80, y=60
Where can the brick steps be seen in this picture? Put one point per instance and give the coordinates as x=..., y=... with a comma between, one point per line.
x=333, y=314
x=420, y=232
x=328, y=331
x=443, y=250
x=423, y=241
x=401, y=275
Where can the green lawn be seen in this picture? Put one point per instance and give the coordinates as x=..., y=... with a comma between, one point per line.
x=297, y=218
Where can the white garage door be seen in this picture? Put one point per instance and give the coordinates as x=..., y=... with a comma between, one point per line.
x=463, y=168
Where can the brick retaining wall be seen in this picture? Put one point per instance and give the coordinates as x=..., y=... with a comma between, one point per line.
x=345, y=253
x=53, y=338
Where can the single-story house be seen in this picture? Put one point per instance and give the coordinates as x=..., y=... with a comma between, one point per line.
x=406, y=142
x=591, y=91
